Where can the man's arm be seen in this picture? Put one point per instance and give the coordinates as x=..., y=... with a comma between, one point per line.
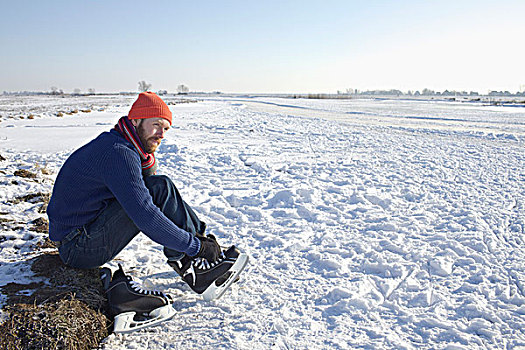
x=124, y=179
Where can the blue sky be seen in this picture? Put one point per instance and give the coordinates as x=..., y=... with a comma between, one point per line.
x=262, y=46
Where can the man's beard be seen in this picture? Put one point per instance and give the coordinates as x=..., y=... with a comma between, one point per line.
x=148, y=148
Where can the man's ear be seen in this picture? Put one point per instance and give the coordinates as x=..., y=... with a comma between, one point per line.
x=135, y=122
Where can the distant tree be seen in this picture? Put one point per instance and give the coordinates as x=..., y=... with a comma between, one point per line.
x=182, y=89
x=91, y=91
x=143, y=86
x=56, y=91
x=76, y=91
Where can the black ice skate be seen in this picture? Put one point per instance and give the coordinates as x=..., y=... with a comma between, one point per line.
x=132, y=306
x=211, y=280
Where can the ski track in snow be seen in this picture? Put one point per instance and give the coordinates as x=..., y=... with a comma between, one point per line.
x=363, y=232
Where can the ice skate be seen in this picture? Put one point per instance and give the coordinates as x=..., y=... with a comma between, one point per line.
x=211, y=280
x=132, y=306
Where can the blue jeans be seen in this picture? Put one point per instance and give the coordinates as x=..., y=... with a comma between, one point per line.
x=100, y=241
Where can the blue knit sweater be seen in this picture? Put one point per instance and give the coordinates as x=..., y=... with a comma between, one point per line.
x=107, y=168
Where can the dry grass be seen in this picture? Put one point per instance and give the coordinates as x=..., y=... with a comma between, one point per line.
x=34, y=198
x=65, y=313
x=46, y=243
x=43, y=169
x=25, y=173
x=85, y=284
x=30, y=198
x=40, y=225
x=45, y=198
x=64, y=324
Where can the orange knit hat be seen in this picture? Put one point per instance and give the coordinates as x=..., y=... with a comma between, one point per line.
x=149, y=105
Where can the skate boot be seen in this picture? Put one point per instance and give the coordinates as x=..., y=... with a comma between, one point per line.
x=211, y=280
x=132, y=306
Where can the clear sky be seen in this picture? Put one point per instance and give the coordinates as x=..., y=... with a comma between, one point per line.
x=262, y=46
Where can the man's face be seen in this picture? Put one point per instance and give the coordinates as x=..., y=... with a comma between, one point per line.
x=151, y=132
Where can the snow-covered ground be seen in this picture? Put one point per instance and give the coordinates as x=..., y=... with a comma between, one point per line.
x=370, y=223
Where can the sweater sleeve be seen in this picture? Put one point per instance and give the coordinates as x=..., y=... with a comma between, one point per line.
x=122, y=175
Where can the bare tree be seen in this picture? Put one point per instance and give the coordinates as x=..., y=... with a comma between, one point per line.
x=182, y=89
x=143, y=86
x=56, y=91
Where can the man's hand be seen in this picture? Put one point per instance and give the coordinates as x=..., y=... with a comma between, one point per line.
x=210, y=249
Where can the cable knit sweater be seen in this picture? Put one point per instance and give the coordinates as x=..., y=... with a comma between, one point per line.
x=107, y=168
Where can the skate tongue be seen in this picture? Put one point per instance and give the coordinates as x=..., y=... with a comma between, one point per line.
x=232, y=252
x=119, y=274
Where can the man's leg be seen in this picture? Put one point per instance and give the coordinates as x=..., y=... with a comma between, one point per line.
x=100, y=241
x=209, y=281
x=168, y=199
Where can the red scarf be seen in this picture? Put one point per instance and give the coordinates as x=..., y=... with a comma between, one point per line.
x=126, y=129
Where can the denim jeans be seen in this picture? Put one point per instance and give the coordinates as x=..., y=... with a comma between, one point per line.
x=100, y=241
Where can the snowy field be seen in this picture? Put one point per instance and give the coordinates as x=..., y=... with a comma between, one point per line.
x=371, y=224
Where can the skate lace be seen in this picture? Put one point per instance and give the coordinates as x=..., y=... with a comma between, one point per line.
x=204, y=264
x=137, y=287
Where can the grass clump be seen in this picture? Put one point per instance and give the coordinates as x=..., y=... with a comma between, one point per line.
x=25, y=173
x=34, y=198
x=66, y=312
x=63, y=324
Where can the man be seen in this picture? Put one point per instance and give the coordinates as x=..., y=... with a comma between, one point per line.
x=107, y=192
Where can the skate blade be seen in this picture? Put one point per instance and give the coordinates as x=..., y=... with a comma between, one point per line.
x=125, y=323
x=214, y=291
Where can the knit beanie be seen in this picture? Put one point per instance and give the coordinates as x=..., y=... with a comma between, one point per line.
x=149, y=105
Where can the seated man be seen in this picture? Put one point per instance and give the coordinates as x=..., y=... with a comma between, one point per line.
x=107, y=192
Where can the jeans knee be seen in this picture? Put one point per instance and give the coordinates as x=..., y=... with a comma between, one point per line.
x=160, y=187
x=157, y=181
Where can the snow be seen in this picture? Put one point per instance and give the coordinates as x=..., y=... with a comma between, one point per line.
x=370, y=224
